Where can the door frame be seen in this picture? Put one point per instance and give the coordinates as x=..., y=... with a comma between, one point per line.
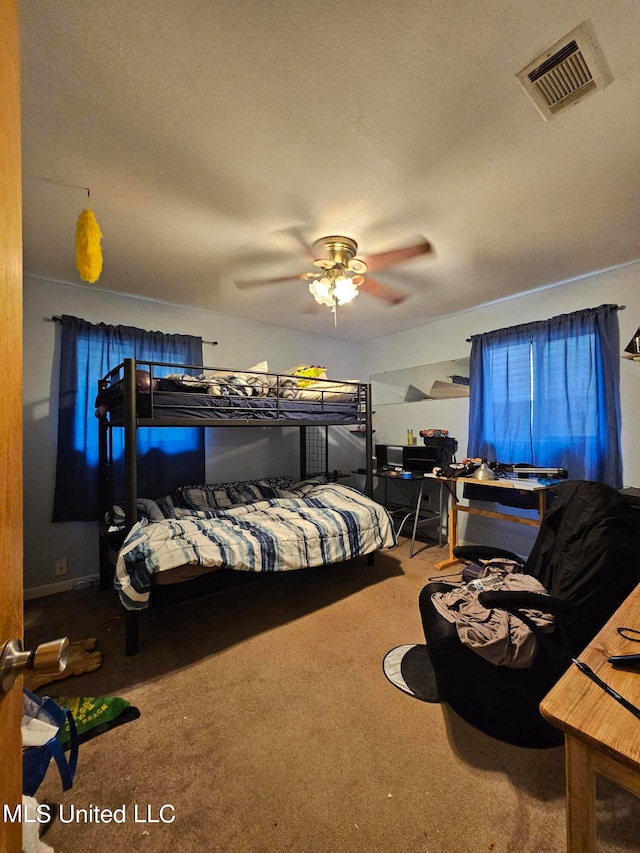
x=11, y=477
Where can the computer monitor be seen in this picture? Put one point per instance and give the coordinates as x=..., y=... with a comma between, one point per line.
x=394, y=456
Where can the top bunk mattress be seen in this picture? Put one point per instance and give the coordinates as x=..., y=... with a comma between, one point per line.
x=229, y=396
x=190, y=406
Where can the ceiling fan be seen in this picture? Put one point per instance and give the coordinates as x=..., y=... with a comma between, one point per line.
x=341, y=275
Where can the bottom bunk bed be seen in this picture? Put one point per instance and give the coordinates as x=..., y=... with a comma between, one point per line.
x=262, y=526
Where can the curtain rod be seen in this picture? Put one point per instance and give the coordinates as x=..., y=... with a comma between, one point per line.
x=617, y=307
x=56, y=319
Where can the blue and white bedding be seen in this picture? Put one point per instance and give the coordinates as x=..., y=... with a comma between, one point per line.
x=309, y=524
x=209, y=496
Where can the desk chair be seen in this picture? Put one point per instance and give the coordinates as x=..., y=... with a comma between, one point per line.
x=587, y=556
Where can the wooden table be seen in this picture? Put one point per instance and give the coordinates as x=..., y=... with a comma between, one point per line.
x=519, y=484
x=601, y=736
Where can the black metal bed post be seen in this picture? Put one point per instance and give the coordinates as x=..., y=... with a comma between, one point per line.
x=130, y=443
x=103, y=500
x=326, y=450
x=303, y=453
x=131, y=479
x=369, y=451
x=103, y=495
x=369, y=443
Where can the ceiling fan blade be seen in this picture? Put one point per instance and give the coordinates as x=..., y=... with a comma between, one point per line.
x=296, y=235
x=258, y=282
x=376, y=288
x=383, y=260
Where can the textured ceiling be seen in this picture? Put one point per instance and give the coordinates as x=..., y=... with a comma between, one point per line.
x=214, y=136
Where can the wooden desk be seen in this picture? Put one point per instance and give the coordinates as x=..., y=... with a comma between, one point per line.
x=600, y=735
x=519, y=484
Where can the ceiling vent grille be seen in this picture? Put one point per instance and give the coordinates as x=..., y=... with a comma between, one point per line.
x=572, y=68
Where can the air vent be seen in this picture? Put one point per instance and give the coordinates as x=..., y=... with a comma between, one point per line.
x=565, y=73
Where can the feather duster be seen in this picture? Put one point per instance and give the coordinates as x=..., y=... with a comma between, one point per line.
x=88, y=249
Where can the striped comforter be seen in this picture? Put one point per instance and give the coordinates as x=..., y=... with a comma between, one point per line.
x=312, y=524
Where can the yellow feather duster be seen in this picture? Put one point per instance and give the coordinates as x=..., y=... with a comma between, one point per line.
x=88, y=249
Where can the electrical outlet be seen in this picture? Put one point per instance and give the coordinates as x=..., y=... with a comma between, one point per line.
x=60, y=567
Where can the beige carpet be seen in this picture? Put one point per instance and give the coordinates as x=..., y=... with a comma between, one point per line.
x=268, y=725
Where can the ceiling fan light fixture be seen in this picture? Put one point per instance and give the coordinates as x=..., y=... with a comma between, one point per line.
x=335, y=286
x=345, y=289
x=339, y=273
x=320, y=289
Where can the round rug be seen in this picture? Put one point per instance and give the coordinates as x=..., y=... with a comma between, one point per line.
x=409, y=669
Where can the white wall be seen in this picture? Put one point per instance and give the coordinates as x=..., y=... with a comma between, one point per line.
x=446, y=339
x=231, y=453
x=257, y=452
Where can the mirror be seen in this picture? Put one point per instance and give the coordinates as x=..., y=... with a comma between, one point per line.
x=444, y=380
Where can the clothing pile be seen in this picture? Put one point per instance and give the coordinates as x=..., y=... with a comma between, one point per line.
x=496, y=635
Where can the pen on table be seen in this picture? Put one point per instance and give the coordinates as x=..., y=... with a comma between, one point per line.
x=606, y=687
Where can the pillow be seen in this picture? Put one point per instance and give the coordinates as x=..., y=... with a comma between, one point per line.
x=260, y=367
x=260, y=384
x=309, y=372
x=330, y=392
x=224, y=495
x=196, y=382
x=240, y=382
x=286, y=388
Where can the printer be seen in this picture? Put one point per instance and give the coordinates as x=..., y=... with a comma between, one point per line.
x=413, y=457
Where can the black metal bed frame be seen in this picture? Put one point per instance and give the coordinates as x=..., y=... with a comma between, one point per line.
x=313, y=446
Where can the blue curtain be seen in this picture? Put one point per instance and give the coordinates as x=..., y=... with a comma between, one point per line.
x=168, y=457
x=547, y=394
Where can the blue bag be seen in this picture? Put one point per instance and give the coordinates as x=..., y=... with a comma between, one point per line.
x=36, y=759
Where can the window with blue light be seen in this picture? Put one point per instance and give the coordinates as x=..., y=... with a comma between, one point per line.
x=88, y=352
x=547, y=394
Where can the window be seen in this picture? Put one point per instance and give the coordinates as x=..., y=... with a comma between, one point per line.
x=547, y=393
x=168, y=457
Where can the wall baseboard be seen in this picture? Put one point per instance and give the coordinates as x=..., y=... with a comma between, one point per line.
x=61, y=586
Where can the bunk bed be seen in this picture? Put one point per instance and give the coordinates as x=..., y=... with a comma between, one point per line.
x=135, y=395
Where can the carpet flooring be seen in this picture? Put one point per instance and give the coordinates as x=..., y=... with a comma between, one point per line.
x=267, y=726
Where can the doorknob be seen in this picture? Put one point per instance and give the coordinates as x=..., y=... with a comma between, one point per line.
x=51, y=657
